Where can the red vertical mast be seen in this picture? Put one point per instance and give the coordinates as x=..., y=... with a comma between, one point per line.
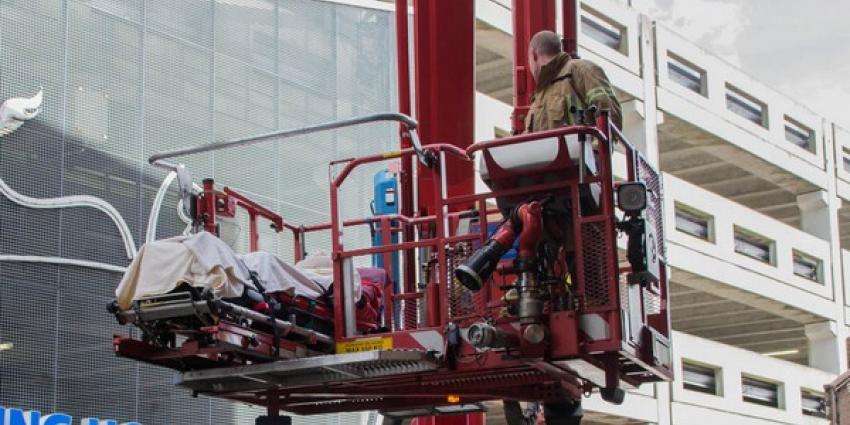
x=529, y=18
x=445, y=86
x=406, y=183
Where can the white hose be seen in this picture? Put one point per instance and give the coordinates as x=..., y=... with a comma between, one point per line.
x=153, y=217
x=181, y=213
x=62, y=261
x=75, y=201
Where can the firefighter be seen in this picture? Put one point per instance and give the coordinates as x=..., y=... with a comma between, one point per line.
x=563, y=84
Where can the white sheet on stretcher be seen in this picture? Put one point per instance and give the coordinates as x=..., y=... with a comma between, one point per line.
x=205, y=261
x=311, y=278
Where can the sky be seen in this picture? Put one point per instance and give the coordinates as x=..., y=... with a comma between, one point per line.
x=799, y=47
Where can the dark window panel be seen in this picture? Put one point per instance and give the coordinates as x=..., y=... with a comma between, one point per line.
x=700, y=378
x=686, y=74
x=761, y=392
x=753, y=246
x=746, y=106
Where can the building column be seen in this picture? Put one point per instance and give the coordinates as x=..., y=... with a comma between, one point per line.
x=663, y=393
x=815, y=214
x=641, y=117
x=825, y=346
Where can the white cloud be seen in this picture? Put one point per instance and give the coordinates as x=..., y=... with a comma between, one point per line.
x=793, y=47
x=824, y=92
x=712, y=24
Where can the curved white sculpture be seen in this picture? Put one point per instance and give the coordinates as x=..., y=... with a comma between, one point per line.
x=61, y=261
x=15, y=111
x=75, y=201
x=153, y=217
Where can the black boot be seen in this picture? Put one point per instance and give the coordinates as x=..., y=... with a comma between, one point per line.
x=567, y=412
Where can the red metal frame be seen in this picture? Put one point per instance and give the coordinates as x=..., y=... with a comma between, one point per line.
x=225, y=344
x=444, y=39
x=570, y=27
x=519, y=371
x=529, y=18
x=436, y=293
x=445, y=108
x=212, y=203
x=255, y=210
x=468, y=419
x=406, y=174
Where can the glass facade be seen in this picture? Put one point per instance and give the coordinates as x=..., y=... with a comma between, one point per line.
x=124, y=79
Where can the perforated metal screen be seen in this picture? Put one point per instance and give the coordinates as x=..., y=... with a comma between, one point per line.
x=124, y=79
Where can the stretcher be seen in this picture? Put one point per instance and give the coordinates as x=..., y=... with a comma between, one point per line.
x=199, y=304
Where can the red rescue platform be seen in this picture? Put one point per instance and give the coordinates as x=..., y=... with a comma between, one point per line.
x=547, y=287
x=571, y=312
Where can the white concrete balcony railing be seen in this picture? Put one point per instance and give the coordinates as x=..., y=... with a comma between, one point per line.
x=727, y=242
x=714, y=96
x=775, y=390
x=609, y=33
x=607, y=26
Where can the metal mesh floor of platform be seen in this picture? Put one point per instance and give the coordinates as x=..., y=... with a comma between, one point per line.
x=310, y=371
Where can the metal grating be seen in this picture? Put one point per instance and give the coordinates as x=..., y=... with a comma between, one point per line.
x=595, y=255
x=321, y=370
x=655, y=215
x=410, y=311
x=651, y=302
x=463, y=303
x=655, y=206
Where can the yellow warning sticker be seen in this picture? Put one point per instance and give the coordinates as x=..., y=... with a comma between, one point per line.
x=392, y=154
x=364, y=344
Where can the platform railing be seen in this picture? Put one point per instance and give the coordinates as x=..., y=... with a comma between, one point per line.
x=446, y=302
x=161, y=159
x=598, y=273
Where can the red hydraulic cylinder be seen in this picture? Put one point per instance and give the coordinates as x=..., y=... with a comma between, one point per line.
x=445, y=88
x=571, y=24
x=529, y=18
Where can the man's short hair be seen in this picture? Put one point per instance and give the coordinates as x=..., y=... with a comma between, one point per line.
x=546, y=43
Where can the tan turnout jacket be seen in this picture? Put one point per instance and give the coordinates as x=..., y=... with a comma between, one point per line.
x=565, y=82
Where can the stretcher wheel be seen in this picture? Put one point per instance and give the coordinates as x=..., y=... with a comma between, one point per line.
x=273, y=420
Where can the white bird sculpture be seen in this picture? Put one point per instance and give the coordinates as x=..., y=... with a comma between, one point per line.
x=14, y=111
